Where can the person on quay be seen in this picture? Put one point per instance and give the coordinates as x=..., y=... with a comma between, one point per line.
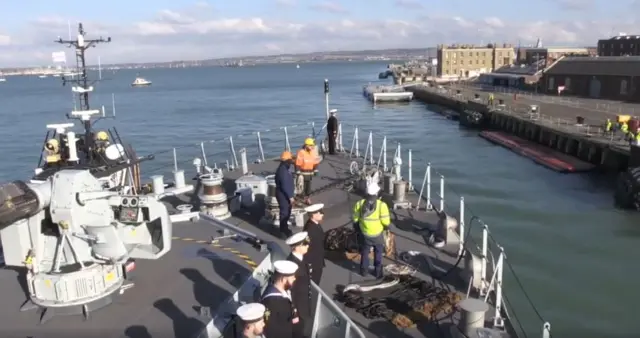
x=332, y=131
x=370, y=219
x=313, y=227
x=307, y=162
x=285, y=191
x=252, y=316
x=280, y=314
x=301, y=290
x=608, y=126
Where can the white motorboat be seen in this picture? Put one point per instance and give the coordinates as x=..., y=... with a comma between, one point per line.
x=379, y=93
x=140, y=82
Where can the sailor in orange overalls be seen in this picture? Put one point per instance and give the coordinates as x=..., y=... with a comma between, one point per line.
x=307, y=161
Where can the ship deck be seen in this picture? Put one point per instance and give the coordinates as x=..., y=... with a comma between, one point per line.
x=194, y=274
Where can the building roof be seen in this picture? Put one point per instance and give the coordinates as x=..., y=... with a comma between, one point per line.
x=504, y=75
x=522, y=70
x=623, y=37
x=604, y=65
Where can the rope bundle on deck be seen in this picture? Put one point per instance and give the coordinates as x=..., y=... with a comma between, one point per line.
x=344, y=240
x=410, y=301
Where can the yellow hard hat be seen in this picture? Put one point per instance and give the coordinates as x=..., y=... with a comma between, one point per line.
x=102, y=136
x=52, y=144
x=309, y=142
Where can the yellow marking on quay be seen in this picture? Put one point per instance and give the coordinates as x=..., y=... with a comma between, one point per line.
x=243, y=257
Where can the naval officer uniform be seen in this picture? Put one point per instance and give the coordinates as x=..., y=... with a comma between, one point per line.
x=301, y=291
x=280, y=314
x=252, y=316
x=315, y=256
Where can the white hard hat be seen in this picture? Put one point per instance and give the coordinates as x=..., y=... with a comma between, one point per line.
x=373, y=189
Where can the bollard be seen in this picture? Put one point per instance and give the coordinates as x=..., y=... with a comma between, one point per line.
x=501, y=102
x=476, y=96
x=157, y=184
x=388, y=180
x=472, y=316
x=178, y=179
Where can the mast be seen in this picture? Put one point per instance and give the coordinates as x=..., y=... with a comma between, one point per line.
x=82, y=84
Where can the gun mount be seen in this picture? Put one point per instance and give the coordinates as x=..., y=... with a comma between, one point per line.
x=75, y=239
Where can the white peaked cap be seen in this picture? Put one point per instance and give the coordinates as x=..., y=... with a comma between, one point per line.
x=251, y=312
x=373, y=189
x=285, y=267
x=297, y=238
x=313, y=208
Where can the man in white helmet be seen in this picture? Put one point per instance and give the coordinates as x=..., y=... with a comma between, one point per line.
x=371, y=218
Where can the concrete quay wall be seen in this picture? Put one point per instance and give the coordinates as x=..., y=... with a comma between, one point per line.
x=552, y=129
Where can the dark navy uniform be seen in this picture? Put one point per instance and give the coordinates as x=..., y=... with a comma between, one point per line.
x=279, y=315
x=315, y=255
x=285, y=191
x=301, y=295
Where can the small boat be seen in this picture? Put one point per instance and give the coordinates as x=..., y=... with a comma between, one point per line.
x=42, y=76
x=140, y=82
x=297, y=66
x=2, y=79
x=378, y=93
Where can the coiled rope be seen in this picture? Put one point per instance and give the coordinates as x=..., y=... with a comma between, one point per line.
x=405, y=304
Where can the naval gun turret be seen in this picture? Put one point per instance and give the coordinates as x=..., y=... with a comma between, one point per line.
x=75, y=239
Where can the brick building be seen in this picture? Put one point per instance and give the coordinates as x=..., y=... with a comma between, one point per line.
x=614, y=78
x=470, y=60
x=620, y=45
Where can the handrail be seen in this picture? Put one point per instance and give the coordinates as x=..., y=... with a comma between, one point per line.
x=340, y=320
x=493, y=258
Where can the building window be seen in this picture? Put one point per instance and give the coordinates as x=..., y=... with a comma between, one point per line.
x=477, y=53
x=470, y=53
x=477, y=62
x=461, y=54
x=567, y=82
x=623, y=87
x=499, y=53
x=447, y=63
x=470, y=62
x=446, y=55
x=551, y=83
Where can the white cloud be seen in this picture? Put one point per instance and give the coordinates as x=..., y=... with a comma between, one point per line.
x=5, y=40
x=330, y=7
x=410, y=4
x=189, y=34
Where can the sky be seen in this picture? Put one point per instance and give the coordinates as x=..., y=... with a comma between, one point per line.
x=164, y=30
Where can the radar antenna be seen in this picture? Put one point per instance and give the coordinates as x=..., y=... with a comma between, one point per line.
x=82, y=85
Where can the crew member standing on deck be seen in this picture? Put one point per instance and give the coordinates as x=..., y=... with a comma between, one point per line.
x=332, y=131
x=315, y=256
x=301, y=290
x=285, y=194
x=307, y=166
x=371, y=218
x=252, y=316
x=280, y=315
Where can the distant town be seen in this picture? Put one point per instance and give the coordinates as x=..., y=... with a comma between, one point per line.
x=368, y=55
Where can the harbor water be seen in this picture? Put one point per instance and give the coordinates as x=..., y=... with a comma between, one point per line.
x=572, y=252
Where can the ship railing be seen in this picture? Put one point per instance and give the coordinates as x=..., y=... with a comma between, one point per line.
x=482, y=244
x=224, y=153
x=523, y=110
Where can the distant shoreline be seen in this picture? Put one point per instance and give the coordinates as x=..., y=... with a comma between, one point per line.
x=180, y=65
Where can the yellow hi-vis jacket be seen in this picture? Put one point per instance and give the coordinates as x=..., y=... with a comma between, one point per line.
x=371, y=223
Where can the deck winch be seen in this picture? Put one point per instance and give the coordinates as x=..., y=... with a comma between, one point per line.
x=213, y=198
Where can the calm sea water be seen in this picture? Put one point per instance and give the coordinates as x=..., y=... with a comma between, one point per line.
x=572, y=252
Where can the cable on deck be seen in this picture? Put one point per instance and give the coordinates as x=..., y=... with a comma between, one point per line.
x=410, y=302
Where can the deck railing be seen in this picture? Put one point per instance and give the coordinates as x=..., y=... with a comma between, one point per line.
x=432, y=190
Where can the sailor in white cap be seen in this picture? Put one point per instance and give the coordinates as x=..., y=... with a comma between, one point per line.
x=332, y=131
x=301, y=291
x=280, y=315
x=252, y=316
x=315, y=256
x=370, y=219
